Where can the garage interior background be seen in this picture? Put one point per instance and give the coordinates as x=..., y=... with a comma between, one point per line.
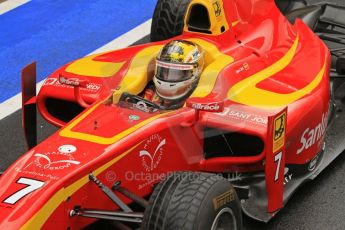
x=54, y=32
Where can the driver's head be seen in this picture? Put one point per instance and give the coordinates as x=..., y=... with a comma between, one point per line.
x=178, y=68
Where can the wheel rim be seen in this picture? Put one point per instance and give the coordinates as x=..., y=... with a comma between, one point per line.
x=224, y=220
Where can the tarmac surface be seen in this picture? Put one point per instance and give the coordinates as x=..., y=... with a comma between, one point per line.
x=318, y=204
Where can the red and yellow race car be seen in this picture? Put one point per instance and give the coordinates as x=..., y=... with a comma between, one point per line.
x=253, y=130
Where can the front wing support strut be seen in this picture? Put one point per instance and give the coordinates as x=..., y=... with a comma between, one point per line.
x=133, y=217
x=110, y=194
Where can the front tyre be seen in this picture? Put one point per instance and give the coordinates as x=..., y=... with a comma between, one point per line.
x=193, y=201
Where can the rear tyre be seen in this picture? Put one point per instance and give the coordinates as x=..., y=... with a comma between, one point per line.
x=288, y=6
x=168, y=19
x=193, y=201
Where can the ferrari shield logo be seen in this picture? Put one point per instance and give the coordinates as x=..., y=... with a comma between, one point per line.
x=279, y=132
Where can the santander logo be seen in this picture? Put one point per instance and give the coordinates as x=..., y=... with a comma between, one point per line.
x=313, y=135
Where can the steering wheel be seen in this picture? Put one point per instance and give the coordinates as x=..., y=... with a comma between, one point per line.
x=142, y=104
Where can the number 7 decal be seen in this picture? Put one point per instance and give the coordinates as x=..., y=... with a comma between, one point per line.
x=278, y=160
x=32, y=185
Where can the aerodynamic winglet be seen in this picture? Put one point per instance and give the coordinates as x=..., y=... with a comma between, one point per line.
x=29, y=119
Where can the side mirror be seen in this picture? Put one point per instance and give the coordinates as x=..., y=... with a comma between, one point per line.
x=77, y=84
x=340, y=65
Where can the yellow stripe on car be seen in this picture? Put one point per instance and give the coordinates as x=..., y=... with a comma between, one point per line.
x=87, y=66
x=246, y=92
x=215, y=62
x=234, y=23
x=136, y=79
x=68, y=133
x=133, y=82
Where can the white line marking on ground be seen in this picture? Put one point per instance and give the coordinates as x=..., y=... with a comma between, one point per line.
x=10, y=5
x=127, y=38
x=15, y=103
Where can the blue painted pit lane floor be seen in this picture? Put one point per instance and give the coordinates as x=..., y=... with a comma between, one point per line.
x=54, y=32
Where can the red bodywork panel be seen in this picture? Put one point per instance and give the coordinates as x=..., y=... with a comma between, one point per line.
x=260, y=67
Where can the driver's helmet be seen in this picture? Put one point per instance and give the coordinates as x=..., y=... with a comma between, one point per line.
x=178, y=68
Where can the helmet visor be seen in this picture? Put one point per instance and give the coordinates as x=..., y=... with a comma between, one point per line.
x=171, y=72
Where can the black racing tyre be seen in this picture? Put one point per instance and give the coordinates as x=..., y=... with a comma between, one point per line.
x=193, y=201
x=168, y=19
x=288, y=6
